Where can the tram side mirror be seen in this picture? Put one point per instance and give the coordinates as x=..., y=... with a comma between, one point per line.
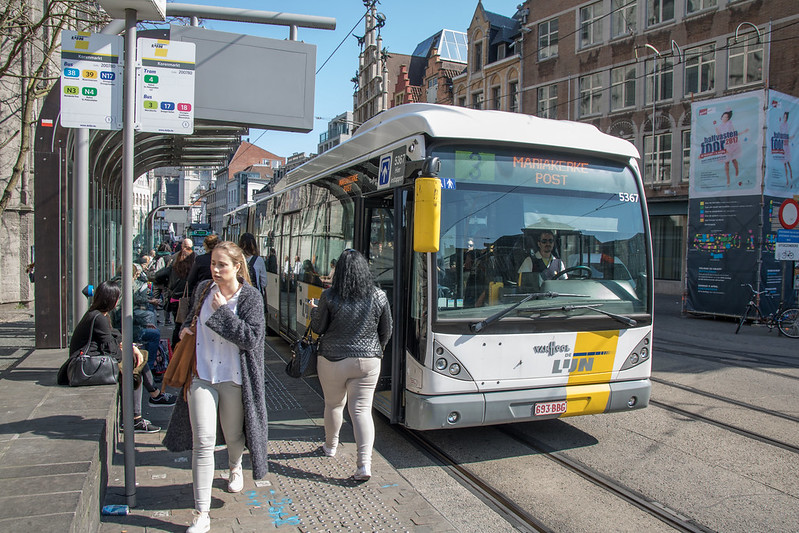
x=427, y=208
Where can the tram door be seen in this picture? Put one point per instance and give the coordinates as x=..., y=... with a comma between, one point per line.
x=290, y=247
x=379, y=245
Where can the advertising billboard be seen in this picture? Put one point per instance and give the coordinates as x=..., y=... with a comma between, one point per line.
x=782, y=135
x=727, y=146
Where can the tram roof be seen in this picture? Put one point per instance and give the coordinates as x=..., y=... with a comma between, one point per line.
x=453, y=122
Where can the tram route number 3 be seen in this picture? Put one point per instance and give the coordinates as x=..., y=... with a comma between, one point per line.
x=549, y=408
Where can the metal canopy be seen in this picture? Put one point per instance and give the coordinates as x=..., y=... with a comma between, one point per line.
x=211, y=145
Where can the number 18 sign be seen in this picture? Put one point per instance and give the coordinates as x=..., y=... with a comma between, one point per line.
x=165, y=86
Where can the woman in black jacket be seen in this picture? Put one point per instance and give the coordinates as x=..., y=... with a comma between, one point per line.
x=96, y=325
x=354, y=320
x=178, y=282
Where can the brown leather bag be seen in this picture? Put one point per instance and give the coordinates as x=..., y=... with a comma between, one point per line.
x=182, y=366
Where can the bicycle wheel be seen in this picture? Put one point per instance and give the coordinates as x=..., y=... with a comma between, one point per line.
x=788, y=323
x=743, y=318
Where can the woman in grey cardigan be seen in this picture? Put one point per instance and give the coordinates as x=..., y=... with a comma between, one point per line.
x=229, y=381
x=354, y=320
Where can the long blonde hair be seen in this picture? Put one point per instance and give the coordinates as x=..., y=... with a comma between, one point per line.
x=237, y=256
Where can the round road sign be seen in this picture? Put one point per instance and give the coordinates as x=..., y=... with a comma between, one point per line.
x=789, y=213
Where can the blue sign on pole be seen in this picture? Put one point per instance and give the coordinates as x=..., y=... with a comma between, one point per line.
x=384, y=177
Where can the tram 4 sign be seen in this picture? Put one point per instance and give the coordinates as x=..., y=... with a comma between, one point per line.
x=165, y=86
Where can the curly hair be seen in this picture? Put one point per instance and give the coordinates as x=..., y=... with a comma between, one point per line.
x=352, y=279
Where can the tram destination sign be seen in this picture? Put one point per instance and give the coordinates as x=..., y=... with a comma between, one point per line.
x=91, y=80
x=165, y=86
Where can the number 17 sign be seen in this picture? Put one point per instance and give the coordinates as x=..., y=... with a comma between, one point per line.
x=165, y=86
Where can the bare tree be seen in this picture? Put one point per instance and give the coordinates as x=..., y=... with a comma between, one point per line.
x=30, y=42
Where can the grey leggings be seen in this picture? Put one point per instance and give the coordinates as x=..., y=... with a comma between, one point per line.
x=205, y=401
x=351, y=381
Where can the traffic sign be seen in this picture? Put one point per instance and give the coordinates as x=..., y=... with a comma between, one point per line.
x=787, y=246
x=165, y=86
x=91, y=80
x=789, y=213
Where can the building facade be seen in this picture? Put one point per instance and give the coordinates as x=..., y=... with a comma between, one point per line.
x=632, y=68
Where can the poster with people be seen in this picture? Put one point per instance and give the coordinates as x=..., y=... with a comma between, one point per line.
x=782, y=153
x=727, y=146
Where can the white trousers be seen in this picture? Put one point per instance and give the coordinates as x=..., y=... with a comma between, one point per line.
x=205, y=401
x=351, y=381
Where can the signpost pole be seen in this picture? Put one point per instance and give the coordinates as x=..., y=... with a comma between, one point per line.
x=129, y=100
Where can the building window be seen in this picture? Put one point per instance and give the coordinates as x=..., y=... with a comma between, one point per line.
x=698, y=5
x=496, y=97
x=745, y=60
x=548, y=39
x=660, y=172
x=432, y=90
x=477, y=100
x=590, y=24
x=622, y=17
x=664, y=79
x=590, y=95
x=478, y=56
x=700, y=69
x=548, y=101
x=513, y=94
x=658, y=11
x=502, y=51
x=462, y=101
x=667, y=245
x=622, y=87
x=686, y=154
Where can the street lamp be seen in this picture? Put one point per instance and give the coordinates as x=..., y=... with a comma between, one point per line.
x=654, y=95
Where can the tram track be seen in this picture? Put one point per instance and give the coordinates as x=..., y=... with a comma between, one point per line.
x=749, y=364
x=499, y=502
x=655, y=509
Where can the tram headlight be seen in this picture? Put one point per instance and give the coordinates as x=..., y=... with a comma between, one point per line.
x=644, y=353
x=454, y=369
x=439, y=351
x=632, y=401
x=634, y=358
x=453, y=417
x=441, y=363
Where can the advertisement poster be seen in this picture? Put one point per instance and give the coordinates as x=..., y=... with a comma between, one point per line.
x=782, y=152
x=727, y=146
x=722, y=253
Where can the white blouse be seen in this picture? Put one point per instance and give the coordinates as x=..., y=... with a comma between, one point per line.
x=217, y=358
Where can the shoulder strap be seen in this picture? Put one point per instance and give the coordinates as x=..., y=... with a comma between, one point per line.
x=91, y=332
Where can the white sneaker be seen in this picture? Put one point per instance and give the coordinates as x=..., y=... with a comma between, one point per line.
x=201, y=522
x=363, y=473
x=235, y=482
x=330, y=452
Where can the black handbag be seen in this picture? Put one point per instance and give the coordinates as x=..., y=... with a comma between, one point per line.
x=87, y=367
x=303, y=362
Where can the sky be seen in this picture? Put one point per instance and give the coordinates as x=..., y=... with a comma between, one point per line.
x=408, y=23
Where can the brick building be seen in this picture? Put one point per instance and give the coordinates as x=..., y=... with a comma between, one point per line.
x=598, y=62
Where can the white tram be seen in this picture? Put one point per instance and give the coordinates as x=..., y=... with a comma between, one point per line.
x=480, y=335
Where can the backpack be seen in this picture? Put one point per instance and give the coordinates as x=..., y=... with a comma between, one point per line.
x=251, y=267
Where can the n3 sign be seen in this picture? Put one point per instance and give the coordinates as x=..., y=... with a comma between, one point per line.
x=789, y=213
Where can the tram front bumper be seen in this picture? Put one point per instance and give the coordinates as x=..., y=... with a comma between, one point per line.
x=501, y=407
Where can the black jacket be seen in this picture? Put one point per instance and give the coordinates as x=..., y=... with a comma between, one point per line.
x=200, y=271
x=104, y=338
x=352, y=329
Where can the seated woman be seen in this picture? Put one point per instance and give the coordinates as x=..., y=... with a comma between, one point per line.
x=96, y=326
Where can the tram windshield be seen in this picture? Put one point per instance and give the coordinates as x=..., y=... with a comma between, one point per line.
x=514, y=222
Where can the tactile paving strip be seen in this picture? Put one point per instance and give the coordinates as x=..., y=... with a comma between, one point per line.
x=278, y=398
x=318, y=493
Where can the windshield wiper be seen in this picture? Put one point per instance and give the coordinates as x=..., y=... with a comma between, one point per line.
x=594, y=307
x=476, y=327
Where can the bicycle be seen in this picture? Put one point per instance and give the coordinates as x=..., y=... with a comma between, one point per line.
x=786, y=320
